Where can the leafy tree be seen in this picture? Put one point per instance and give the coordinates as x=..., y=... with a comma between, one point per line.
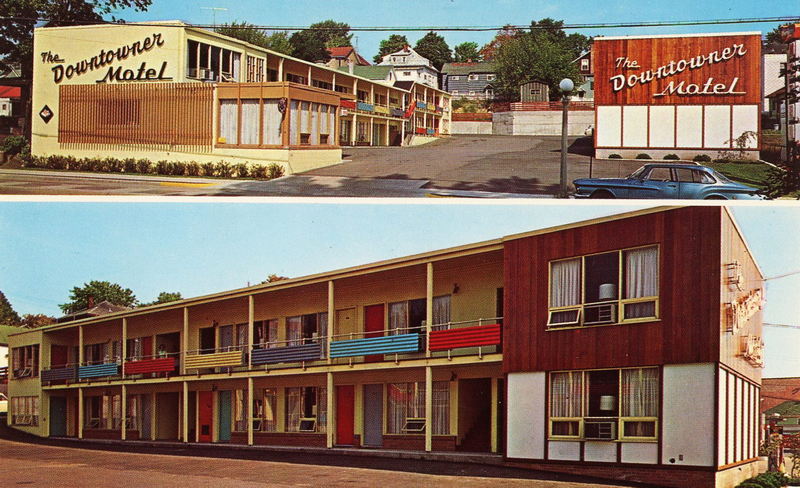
x=434, y=47
x=34, y=321
x=466, y=52
x=312, y=44
x=507, y=33
x=7, y=314
x=551, y=29
x=277, y=41
x=394, y=43
x=774, y=36
x=165, y=297
x=99, y=291
x=273, y=278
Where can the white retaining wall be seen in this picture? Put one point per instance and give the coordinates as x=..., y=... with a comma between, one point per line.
x=541, y=123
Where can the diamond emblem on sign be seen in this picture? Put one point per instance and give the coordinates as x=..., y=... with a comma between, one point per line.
x=46, y=114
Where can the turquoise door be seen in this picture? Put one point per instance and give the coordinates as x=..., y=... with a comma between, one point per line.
x=58, y=416
x=224, y=416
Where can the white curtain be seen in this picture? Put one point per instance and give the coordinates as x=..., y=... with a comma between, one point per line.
x=294, y=122
x=640, y=389
x=294, y=408
x=272, y=332
x=269, y=417
x=441, y=407
x=565, y=394
x=240, y=411
x=272, y=122
x=331, y=125
x=398, y=318
x=294, y=331
x=249, y=122
x=314, y=124
x=237, y=61
x=641, y=280
x=441, y=311
x=228, y=121
x=322, y=409
x=397, y=407
x=565, y=283
x=323, y=123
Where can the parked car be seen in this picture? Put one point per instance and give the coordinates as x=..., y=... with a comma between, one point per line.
x=667, y=180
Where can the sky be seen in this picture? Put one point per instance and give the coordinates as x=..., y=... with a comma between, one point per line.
x=490, y=13
x=203, y=246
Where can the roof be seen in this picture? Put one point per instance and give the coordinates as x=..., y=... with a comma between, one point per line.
x=788, y=408
x=405, y=85
x=5, y=330
x=103, y=308
x=344, y=51
x=467, y=68
x=373, y=72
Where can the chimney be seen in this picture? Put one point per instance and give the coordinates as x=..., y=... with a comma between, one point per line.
x=350, y=66
x=91, y=302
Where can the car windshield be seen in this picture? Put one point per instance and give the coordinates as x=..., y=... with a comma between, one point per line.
x=719, y=176
x=638, y=173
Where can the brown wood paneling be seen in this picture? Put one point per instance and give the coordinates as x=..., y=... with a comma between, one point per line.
x=652, y=53
x=688, y=329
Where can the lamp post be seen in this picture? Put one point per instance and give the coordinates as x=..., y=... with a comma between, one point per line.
x=566, y=86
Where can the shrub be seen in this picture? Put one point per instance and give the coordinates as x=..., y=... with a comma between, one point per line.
x=193, y=168
x=209, y=169
x=614, y=156
x=129, y=165
x=242, y=170
x=162, y=167
x=113, y=165
x=13, y=145
x=144, y=166
x=643, y=156
x=702, y=158
x=178, y=168
x=259, y=171
x=672, y=157
x=225, y=170
x=275, y=171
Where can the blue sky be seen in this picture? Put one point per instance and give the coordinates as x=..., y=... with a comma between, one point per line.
x=210, y=246
x=417, y=13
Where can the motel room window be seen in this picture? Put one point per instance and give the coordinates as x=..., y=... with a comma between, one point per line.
x=103, y=412
x=132, y=414
x=312, y=124
x=255, y=69
x=228, y=122
x=25, y=411
x=240, y=411
x=406, y=408
x=233, y=337
x=102, y=353
x=307, y=329
x=212, y=63
x=407, y=316
x=584, y=65
x=25, y=361
x=614, y=404
x=605, y=288
x=306, y=409
x=454, y=78
x=265, y=413
x=293, y=78
x=265, y=333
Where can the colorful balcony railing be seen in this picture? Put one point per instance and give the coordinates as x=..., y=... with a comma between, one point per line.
x=215, y=360
x=288, y=354
x=379, y=109
x=158, y=365
x=351, y=104
x=98, y=370
x=366, y=107
x=404, y=343
x=397, y=112
x=430, y=132
x=483, y=335
x=422, y=105
x=69, y=373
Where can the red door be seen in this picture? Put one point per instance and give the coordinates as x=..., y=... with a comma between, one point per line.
x=345, y=414
x=373, y=327
x=58, y=356
x=205, y=415
x=147, y=347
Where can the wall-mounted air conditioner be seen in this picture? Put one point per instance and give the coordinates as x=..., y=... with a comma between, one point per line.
x=600, y=314
x=600, y=430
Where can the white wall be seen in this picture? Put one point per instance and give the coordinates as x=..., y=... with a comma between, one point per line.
x=541, y=123
x=471, y=127
x=771, y=77
x=526, y=415
x=688, y=421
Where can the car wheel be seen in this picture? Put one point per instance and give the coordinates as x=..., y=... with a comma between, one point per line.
x=715, y=197
x=602, y=194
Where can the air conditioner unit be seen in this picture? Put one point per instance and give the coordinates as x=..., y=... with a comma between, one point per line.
x=602, y=431
x=600, y=314
x=192, y=73
x=205, y=74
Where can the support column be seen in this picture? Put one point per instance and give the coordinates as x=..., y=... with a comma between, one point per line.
x=80, y=413
x=331, y=321
x=250, y=411
x=371, y=130
x=494, y=438
x=124, y=347
x=308, y=81
x=153, y=415
x=280, y=70
x=331, y=427
x=80, y=346
x=353, y=131
x=428, y=409
x=124, y=411
x=250, y=319
x=184, y=339
x=428, y=308
x=185, y=412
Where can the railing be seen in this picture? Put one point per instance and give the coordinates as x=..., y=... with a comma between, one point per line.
x=3, y=375
x=61, y=373
x=159, y=363
x=365, y=107
x=381, y=109
x=404, y=341
x=478, y=333
x=541, y=106
x=223, y=357
x=351, y=104
x=289, y=351
x=101, y=370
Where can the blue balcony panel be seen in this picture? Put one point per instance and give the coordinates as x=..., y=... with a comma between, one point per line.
x=98, y=370
x=404, y=343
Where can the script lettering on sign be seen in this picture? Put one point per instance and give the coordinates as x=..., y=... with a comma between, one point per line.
x=743, y=309
x=753, y=350
x=711, y=86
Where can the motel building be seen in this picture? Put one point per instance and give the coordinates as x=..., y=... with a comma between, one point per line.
x=626, y=347
x=689, y=95
x=168, y=91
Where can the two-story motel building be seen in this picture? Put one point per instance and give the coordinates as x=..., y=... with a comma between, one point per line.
x=624, y=347
x=168, y=91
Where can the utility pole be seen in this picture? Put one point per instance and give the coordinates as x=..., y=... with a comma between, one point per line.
x=214, y=12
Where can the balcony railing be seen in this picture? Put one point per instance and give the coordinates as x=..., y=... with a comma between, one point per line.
x=224, y=357
x=290, y=351
x=101, y=370
x=160, y=363
x=366, y=346
x=62, y=373
x=3, y=375
x=470, y=333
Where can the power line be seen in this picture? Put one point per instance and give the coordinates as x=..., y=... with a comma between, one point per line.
x=784, y=275
x=463, y=28
x=784, y=326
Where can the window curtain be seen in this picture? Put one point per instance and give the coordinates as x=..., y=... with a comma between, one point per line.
x=229, y=121
x=565, y=283
x=249, y=122
x=294, y=408
x=441, y=312
x=237, y=61
x=323, y=122
x=241, y=336
x=272, y=123
x=315, y=124
x=641, y=280
x=322, y=331
x=272, y=332
x=294, y=331
x=294, y=123
x=441, y=407
x=331, y=124
x=398, y=318
x=240, y=411
x=640, y=388
x=132, y=415
x=116, y=412
x=565, y=394
x=399, y=394
x=322, y=409
x=269, y=416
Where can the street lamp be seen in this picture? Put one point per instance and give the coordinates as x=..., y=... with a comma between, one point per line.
x=566, y=86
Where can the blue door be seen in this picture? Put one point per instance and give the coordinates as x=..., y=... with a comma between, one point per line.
x=58, y=416
x=658, y=183
x=224, y=416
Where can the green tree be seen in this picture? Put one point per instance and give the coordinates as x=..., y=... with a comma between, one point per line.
x=394, y=43
x=276, y=41
x=34, y=321
x=312, y=44
x=98, y=291
x=544, y=53
x=165, y=297
x=551, y=29
x=489, y=50
x=434, y=47
x=7, y=314
x=774, y=36
x=273, y=278
x=466, y=52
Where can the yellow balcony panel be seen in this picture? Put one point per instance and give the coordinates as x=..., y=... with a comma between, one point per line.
x=217, y=360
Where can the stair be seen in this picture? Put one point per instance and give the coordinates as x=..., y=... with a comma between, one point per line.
x=478, y=437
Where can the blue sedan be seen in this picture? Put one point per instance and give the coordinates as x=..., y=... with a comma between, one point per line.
x=667, y=180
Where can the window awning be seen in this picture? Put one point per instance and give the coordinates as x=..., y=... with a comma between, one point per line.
x=10, y=91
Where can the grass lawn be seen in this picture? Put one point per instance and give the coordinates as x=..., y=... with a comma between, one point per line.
x=752, y=174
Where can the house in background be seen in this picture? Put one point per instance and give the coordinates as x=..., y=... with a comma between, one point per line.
x=342, y=56
x=103, y=308
x=12, y=105
x=5, y=330
x=409, y=65
x=383, y=74
x=772, y=62
x=469, y=80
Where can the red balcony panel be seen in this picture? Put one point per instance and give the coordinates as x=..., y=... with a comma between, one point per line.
x=160, y=365
x=481, y=335
x=351, y=104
